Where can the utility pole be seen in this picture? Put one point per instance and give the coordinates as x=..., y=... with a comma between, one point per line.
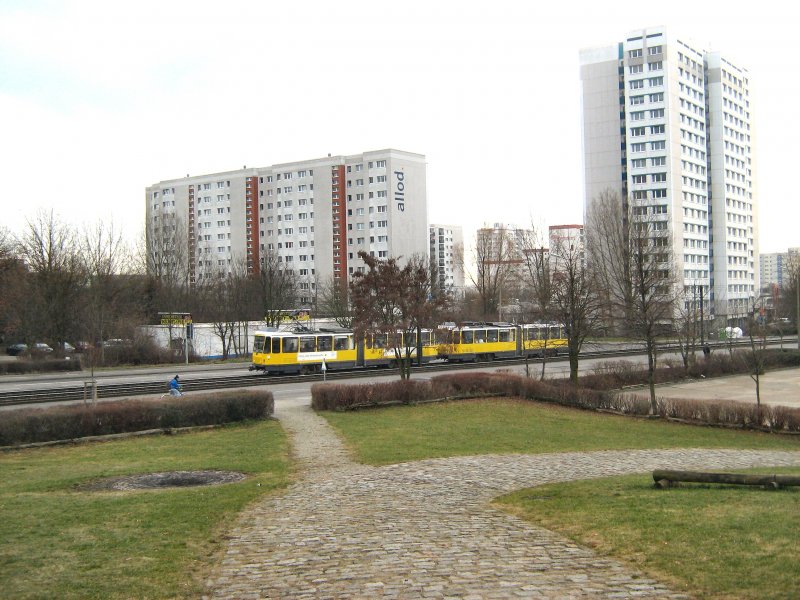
x=702, y=324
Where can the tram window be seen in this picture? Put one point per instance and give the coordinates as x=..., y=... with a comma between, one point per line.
x=342, y=342
x=413, y=340
x=307, y=344
x=258, y=343
x=480, y=336
x=467, y=337
x=541, y=333
x=426, y=338
x=324, y=343
x=505, y=335
x=555, y=333
x=491, y=335
x=380, y=340
x=276, y=345
x=290, y=344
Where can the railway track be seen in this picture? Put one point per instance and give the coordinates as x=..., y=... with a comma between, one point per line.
x=117, y=390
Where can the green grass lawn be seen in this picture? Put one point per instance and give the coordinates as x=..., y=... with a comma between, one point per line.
x=59, y=542
x=707, y=540
x=406, y=433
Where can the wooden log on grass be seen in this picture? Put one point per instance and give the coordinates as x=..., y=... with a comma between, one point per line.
x=665, y=478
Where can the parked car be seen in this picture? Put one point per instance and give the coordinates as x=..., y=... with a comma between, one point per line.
x=82, y=346
x=17, y=349
x=41, y=348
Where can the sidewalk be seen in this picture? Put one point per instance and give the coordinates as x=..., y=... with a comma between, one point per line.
x=426, y=530
x=777, y=388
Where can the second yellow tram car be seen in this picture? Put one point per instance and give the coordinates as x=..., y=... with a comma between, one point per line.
x=489, y=341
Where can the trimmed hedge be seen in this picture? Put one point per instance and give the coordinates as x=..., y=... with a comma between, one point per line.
x=32, y=425
x=469, y=385
x=614, y=375
x=19, y=367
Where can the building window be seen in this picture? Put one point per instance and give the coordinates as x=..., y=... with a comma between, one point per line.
x=633, y=69
x=653, y=50
x=635, y=53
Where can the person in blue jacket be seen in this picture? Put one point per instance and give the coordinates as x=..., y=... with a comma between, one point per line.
x=175, y=387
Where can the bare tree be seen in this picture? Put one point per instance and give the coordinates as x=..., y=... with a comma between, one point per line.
x=757, y=333
x=167, y=262
x=536, y=276
x=13, y=283
x=223, y=294
x=106, y=261
x=334, y=302
x=630, y=251
x=49, y=250
x=687, y=324
x=277, y=289
x=494, y=256
x=574, y=299
x=394, y=301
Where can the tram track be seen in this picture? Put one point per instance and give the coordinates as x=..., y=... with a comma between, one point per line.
x=116, y=390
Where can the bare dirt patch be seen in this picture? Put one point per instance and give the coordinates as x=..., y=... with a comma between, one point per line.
x=169, y=479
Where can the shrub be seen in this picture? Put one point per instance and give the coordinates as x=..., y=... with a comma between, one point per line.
x=326, y=396
x=19, y=367
x=122, y=416
x=351, y=397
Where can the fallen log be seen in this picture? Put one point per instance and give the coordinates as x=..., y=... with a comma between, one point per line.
x=665, y=478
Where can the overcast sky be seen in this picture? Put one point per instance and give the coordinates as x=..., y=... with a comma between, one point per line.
x=99, y=99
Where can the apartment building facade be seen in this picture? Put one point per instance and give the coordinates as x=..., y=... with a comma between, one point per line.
x=567, y=243
x=312, y=217
x=667, y=127
x=447, y=257
x=777, y=268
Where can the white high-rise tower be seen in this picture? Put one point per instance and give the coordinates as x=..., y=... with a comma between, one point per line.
x=667, y=126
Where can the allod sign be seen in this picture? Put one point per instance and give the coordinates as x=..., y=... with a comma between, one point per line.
x=400, y=190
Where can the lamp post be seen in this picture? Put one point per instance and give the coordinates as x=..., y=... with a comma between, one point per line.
x=797, y=314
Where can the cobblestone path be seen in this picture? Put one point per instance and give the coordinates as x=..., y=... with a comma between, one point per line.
x=425, y=529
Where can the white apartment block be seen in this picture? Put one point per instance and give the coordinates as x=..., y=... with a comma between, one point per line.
x=777, y=268
x=566, y=242
x=447, y=257
x=312, y=216
x=667, y=126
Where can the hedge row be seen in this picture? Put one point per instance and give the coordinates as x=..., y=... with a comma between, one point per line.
x=351, y=397
x=19, y=367
x=614, y=375
x=103, y=418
